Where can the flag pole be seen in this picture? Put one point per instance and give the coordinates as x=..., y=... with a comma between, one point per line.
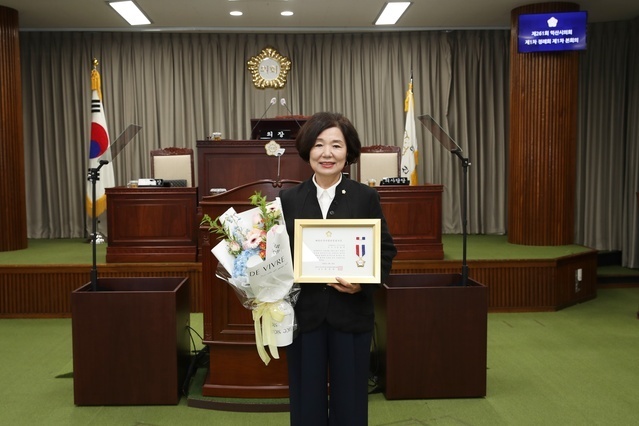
x=94, y=176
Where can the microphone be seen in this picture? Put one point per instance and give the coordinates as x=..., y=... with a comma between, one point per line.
x=273, y=101
x=102, y=163
x=284, y=104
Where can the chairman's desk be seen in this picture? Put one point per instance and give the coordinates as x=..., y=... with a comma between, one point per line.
x=413, y=212
x=227, y=164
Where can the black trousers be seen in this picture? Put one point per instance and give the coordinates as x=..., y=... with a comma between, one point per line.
x=325, y=359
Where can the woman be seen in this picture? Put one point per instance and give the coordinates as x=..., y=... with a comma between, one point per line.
x=335, y=321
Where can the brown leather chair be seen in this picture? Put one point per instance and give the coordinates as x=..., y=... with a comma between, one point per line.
x=173, y=164
x=377, y=162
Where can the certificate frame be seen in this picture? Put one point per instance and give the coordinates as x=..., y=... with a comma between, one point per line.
x=326, y=249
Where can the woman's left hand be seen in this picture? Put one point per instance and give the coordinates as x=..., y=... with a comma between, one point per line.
x=344, y=286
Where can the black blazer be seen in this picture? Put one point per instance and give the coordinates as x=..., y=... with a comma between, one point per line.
x=352, y=313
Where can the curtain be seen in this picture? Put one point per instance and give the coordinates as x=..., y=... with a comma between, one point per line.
x=180, y=87
x=608, y=139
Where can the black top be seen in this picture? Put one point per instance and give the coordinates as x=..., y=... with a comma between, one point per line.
x=352, y=313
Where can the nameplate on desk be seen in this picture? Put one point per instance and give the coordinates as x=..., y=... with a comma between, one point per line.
x=395, y=181
x=152, y=183
x=275, y=134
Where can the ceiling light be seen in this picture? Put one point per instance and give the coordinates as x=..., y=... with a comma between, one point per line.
x=392, y=12
x=236, y=13
x=287, y=13
x=130, y=12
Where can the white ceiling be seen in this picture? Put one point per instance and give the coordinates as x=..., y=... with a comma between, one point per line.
x=310, y=15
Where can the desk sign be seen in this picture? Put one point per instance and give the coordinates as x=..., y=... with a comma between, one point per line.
x=345, y=248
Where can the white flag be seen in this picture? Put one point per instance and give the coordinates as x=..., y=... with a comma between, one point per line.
x=409, y=148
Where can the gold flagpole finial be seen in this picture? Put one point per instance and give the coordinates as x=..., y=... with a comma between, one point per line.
x=95, y=78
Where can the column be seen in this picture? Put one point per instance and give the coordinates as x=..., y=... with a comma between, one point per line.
x=13, y=211
x=543, y=134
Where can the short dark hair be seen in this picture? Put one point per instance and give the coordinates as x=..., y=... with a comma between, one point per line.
x=321, y=121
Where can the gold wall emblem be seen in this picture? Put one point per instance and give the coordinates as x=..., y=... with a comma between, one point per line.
x=269, y=69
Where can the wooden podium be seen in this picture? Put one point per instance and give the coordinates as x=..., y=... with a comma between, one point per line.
x=131, y=342
x=432, y=336
x=230, y=163
x=235, y=368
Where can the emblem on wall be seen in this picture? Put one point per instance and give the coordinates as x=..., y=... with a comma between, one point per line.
x=269, y=69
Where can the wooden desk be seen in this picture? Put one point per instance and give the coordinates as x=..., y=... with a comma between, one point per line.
x=152, y=224
x=414, y=216
x=231, y=163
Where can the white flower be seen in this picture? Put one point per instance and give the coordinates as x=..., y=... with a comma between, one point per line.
x=253, y=239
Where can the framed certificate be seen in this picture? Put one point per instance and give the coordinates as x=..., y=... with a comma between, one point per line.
x=345, y=248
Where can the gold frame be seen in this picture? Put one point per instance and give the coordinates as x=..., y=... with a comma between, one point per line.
x=370, y=275
x=269, y=69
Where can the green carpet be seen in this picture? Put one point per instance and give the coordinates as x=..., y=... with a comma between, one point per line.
x=577, y=366
x=490, y=247
x=616, y=271
x=479, y=247
x=55, y=252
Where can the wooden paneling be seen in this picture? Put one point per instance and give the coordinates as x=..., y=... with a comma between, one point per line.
x=33, y=291
x=513, y=286
x=13, y=218
x=523, y=285
x=543, y=135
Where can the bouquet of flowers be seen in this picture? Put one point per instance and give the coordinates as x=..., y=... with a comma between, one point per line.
x=255, y=259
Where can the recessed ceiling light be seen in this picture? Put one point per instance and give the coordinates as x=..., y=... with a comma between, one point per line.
x=287, y=13
x=392, y=12
x=236, y=13
x=130, y=12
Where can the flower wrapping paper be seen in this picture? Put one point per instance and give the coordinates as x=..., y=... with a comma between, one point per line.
x=263, y=285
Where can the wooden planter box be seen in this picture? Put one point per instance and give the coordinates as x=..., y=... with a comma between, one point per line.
x=432, y=336
x=131, y=341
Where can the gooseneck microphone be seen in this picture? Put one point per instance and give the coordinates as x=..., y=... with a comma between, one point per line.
x=285, y=105
x=273, y=101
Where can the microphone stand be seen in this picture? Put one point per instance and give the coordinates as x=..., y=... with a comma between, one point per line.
x=279, y=154
x=273, y=101
x=465, y=164
x=93, y=177
x=448, y=143
x=285, y=105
